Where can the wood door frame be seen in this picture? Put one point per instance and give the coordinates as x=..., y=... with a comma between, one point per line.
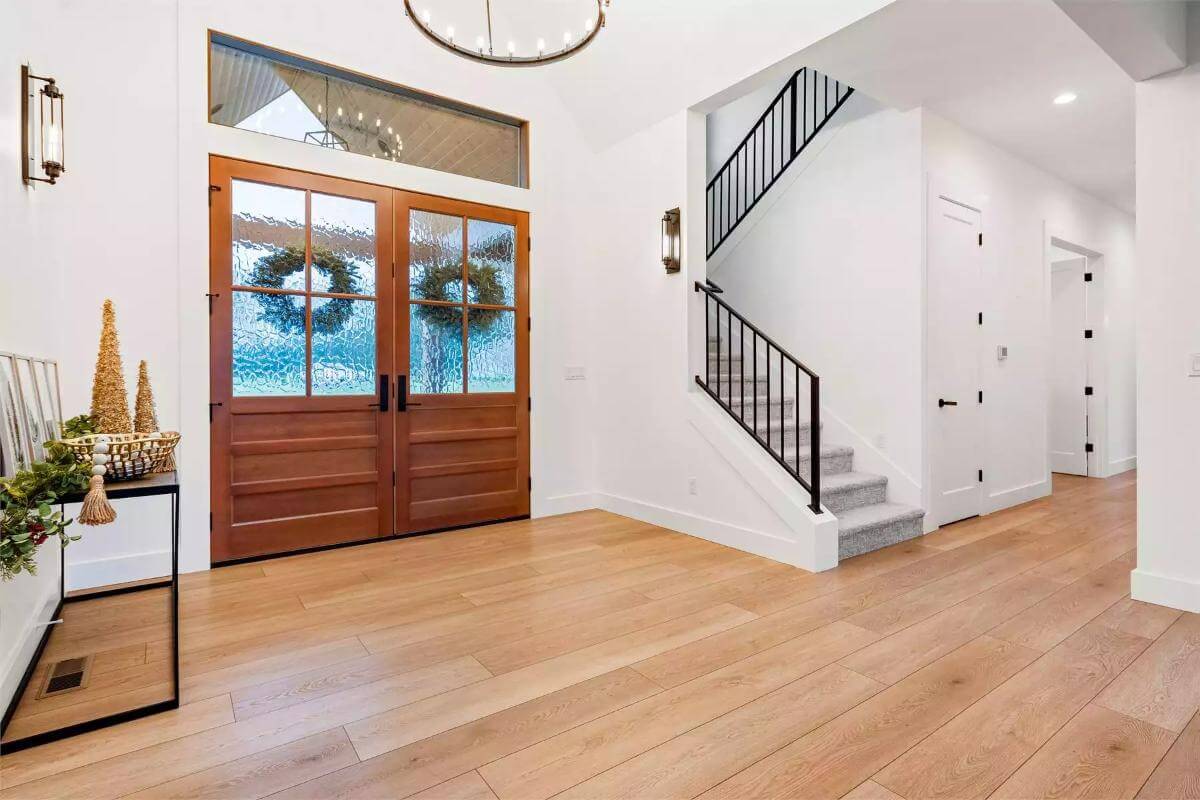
x=405, y=202
x=221, y=174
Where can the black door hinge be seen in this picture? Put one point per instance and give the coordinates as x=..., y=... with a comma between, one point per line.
x=210, y=522
x=981, y=395
x=529, y=403
x=981, y=476
x=393, y=477
x=212, y=187
x=1087, y=277
x=981, y=240
x=529, y=323
x=1087, y=390
x=211, y=296
x=1087, y=334
x=211, y=406
x=530, y=484
x=1089, y=447
x=529, y=243
x=980, y=317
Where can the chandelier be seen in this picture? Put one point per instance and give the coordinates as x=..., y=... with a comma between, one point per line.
x=507, y=50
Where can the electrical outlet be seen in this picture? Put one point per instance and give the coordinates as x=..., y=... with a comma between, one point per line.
x=692, y=488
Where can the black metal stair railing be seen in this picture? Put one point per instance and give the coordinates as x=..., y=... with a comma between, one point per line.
x=793, y=119
x=770, y=369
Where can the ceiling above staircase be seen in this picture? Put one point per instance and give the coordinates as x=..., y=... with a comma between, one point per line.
x=994, y=67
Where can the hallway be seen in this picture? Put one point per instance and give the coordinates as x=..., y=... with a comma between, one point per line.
x=593, y=656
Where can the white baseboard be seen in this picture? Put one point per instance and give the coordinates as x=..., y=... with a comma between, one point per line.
x=1165, y=590
x=24, y=644
x=776, y=548
x=1119, y=465
x=118, y=569
x=1007, y=498
x=564, y=504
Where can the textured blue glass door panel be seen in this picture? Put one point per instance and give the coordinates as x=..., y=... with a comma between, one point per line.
x=435, y=256
x=491, y=262
x=435, y=344
x=268, y=344
x=491, y=351
x=343, y=346
x=268, y=236
x=343, y=245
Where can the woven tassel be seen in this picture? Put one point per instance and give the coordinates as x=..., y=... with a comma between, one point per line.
x=168, y=463
x=96, y=508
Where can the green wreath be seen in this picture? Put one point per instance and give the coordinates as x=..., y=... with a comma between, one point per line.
x=434, y=283
x=279, y=309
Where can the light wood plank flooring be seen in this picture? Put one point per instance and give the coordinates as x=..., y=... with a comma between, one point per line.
x=591, y=656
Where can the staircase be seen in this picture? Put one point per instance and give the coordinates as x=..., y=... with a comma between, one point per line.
x=767, y=391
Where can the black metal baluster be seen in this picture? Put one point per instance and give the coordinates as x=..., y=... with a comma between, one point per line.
x=729, y=357
x=717, y=306
x=754, y=368
x=742, y=357
x=814, y=481
x=794, y=107
x=782, y=386
x=707, y=342
x=768, y=344
x=805, y=106
x=827, y=95
x=796, y=414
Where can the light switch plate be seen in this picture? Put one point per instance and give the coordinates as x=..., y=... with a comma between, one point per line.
x=1194, y=369
x=576, y=374
x=1001, y=352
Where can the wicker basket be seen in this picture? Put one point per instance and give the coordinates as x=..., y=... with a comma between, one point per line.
x=130, y=455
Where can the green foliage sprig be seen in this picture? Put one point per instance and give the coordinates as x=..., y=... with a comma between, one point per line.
x=81, y=425
x=27, y=518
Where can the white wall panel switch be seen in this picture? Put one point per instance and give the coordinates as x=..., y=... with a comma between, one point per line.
x=576, y=374
x=1001, y=352
x=1194, y=367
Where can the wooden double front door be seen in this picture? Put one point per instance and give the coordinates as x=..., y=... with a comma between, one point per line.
x=369, y=357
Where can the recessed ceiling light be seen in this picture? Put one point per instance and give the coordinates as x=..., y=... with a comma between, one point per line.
x=1064, y=98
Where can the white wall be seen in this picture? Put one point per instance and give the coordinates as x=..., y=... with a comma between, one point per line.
x=132, y=221
x=726, y=128
x=29, y=290
x=1021, y=206
x=832, y=268
x=1168, y=199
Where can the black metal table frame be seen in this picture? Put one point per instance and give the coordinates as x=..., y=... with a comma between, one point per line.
x=155, y=486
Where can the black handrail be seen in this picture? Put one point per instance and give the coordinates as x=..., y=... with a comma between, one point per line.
x=762, y=155
x=713, y=306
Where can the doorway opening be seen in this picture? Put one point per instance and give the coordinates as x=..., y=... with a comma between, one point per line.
x=369, y=362
x=1074, y=273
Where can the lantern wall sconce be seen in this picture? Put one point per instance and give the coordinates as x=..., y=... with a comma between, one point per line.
x=670, y=240
x=42, y=125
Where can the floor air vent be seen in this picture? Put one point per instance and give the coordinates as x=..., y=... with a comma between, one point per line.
x=66, y=676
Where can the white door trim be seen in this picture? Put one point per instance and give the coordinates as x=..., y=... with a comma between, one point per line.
x=1097, y=348
x=937, y=191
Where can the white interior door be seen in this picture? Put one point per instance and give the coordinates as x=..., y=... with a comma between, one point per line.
x=1068, y=374
x=954, y=276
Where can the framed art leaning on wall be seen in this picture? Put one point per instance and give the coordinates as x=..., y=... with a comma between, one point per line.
x=30, y=410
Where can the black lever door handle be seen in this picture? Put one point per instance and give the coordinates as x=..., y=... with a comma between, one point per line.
x=401, y=394
x=943, y=403
x=384, y=391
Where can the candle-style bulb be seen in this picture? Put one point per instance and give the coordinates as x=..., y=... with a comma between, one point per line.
x=425, y=16
x=450, y=32
x=541, y=46
x=512, y=48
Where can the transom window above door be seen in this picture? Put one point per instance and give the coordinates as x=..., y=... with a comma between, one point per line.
x=304, y=292
x=462, y=304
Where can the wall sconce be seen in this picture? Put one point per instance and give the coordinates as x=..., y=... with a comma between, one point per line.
x=670, y=240
x=48, y=102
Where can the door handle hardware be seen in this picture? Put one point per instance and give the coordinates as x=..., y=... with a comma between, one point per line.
x=384, y=391
x=401, y=394
x=943, y=403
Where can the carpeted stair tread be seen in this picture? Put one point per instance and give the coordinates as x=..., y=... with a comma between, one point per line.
x=867, y=528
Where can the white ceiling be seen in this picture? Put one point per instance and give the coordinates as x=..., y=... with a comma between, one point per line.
x=994, y=67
